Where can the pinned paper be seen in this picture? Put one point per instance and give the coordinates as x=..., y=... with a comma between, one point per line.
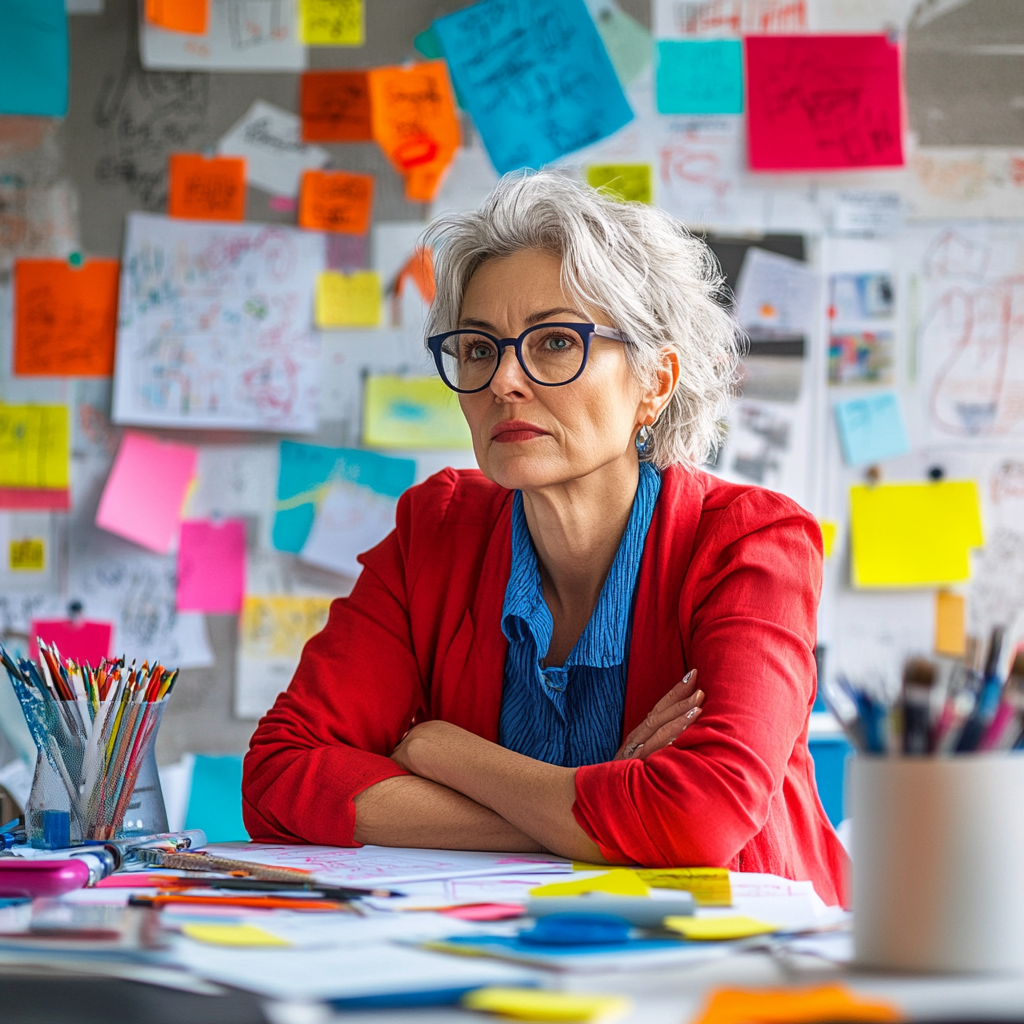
x=335, y=107
x=238, y=936
x=828, y=535
x=33, y=58
x=146, y=490
x=202, y=189
x=414, y=122
x=914, y=534
x=628, y=43
x=211, y=567
x=776, y=293
x=34, y=452
x=84, y=642
x=710, y=887
x=412, y=412
x=820, y=102
x=629, y=182
x=871, y=429
x=65, y=318
x=950, y=635
x=419, y=272
x=618, y=882
x=336, y=201
x=331, y=22
x=528, y=116
x=718, y=929
x=191, y=16
x=541, y=1005
x=27, y=554
x=348, y=300
x=794, y=1006
x=700, y=76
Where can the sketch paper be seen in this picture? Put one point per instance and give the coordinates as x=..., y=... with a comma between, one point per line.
x=216, y=326
x=776, y=293
x=211, y=566
x=871, y=428
x=700, y=76
x=33, y=58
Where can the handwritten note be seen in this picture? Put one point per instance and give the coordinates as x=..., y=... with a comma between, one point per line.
x=146, y=490
x=700, y=76
x=628, y=182
x=871, y=428
x=348, y=300
x=206, y=189
x=335, y=106
x=34, y=58
x=950, y=635
x=412, y=412
x=81, y=640
x=34, y=447
x=179, y=15
x=776, y=292
x=415, y=123
x=65, y=318
x=336, y=201
x=618, y=882
x=530, y=105
x=820, y=102
x=211, y=566
x=26, y=554
x=710, y=887
x=331, y=22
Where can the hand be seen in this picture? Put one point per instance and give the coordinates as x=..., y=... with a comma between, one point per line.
x=676, y=711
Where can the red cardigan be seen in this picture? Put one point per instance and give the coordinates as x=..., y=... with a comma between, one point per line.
x=728, y=584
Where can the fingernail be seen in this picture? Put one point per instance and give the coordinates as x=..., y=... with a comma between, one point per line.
x=689, y=675
x=693, y=713
x=699, y=695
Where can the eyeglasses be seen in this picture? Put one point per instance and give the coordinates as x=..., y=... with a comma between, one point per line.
x=550, y=354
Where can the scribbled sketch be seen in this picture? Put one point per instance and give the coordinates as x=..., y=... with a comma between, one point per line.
x=759, y=441
x=703, y=18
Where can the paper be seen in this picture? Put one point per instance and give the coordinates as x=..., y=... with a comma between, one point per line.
x=541, y=1005
x=718, y=929
x=710, y=887
x=84, y=642
x=412, y=412
x=26, y=554
x=211, y=567
x=179, y=15
x=267, y=138
x=202, y=189
x=529, y=104
x=618, y=882
x=763, y=446
x=229, y=340
x=65, y=318
x=950, y=639
x=829, y=528
x=856, y=297
x=331, y=22
x=335, y=106
x=628, y=43
x=700, y=76
x=412, y=112
x=823, y=102
x=348, y=300
x=34, y=447
x=868, y=213
x=860, y=357
x=630, y=182
x=776, y=293
x=241, y=936
x=871, y=429
x=793, y=1006
x=146, y=489
x=914, y=534
x=33, y=58
x=702, y=19
x=336, y=201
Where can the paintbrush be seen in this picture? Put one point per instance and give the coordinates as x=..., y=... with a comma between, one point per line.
x=918, y=682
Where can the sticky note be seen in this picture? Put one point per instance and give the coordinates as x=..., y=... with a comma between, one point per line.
x=502, y=57
x=34, y=446
x=628, y=43
x=192, y=16
x=828, y=535
x=27, y=554
x=336, y=201
x=33, y=58
x=950, y=638
x=913, y=534
x=412, y=412
x=700, y=76
x=335, y=106
x=820, y=102
x=541, y=1005
x=211, y=567
x=412, y=111
x=206, y=189
x=65, y=318
x=242, y=936
x=629, y=182
x=710, y=887
x=331, y=22
x=871, y=428
x=794, y=1006
x=146, y=490
x=618, y=881
x=718, y=929
x=82, y=641
x=418, y=270
x=348, y=300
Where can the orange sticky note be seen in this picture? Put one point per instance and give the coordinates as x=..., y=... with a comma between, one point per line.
x=419, y=269
x=336, y=201
x=204, y=189
x=192, y=16
x=949, y=624
x=335, y=107
x=794, y=1006
x=65, y=318
x=415, y=123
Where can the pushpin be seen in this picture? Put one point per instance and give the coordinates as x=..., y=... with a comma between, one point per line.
x=75, y=259
x=873, y=474
x=936, y=473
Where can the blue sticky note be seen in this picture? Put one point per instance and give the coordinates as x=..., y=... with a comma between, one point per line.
x=700, y=76
x=871, y=429
x=306, y=473
x=535, y=76
x=33, y=57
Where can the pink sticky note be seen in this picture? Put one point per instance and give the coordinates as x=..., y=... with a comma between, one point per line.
x=146, y=490
x=211, y=566
x=823, y=102
x=80, y=641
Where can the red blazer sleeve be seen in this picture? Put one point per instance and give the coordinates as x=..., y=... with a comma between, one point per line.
x=748, y=619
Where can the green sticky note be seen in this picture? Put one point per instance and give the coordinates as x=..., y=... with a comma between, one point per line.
x=629, y=182
x=33, y=58
x=413, y=412
x=628, y=43
x=700, y=76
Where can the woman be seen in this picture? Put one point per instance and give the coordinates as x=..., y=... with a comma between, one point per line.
x=517, y=666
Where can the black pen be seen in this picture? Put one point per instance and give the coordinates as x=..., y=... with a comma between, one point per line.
x=333, y=892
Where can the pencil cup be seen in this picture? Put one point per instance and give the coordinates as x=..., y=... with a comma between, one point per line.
x=938, y=883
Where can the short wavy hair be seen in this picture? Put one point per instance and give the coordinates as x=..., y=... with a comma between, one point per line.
x=656, y=282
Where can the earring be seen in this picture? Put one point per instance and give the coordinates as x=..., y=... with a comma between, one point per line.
x=644, y=440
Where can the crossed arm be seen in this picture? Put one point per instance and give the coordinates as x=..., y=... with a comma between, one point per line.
x=465, y=792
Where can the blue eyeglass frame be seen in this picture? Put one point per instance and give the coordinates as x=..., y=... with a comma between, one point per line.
x=585, y=331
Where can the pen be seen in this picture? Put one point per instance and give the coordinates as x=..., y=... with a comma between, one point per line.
x=1005, y=728
x=333, y=892
x=251, y=902
x=988, y=698
x=918, y=680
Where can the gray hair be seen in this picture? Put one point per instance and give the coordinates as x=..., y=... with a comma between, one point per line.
x=658, y=284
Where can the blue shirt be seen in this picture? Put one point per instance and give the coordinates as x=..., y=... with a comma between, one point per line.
x=570, y=715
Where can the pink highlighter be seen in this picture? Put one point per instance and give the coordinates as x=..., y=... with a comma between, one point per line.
x=31, y=878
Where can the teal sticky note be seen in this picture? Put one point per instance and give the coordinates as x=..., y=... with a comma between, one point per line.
x=700, y=76
x=215, y=799
x=33, y=58
x=871, y=429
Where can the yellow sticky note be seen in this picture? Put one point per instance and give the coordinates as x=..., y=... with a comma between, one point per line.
x=794, y=1006
x=537, y=1004
x=332, y=22
x=618, y=881
x=34, y=446
x=949, y=624
x=628, y=182
x=277, y=626
x=710, y=887
x=348, y=300
x=828, y=535
x=718, y=929
x=238, y=935
x=413, y=412
x=27, y=555
x=913, y=534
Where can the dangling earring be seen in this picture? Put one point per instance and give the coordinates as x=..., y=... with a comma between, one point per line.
x=644, y=440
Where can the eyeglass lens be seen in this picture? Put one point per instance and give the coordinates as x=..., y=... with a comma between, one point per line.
x=552, y=355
